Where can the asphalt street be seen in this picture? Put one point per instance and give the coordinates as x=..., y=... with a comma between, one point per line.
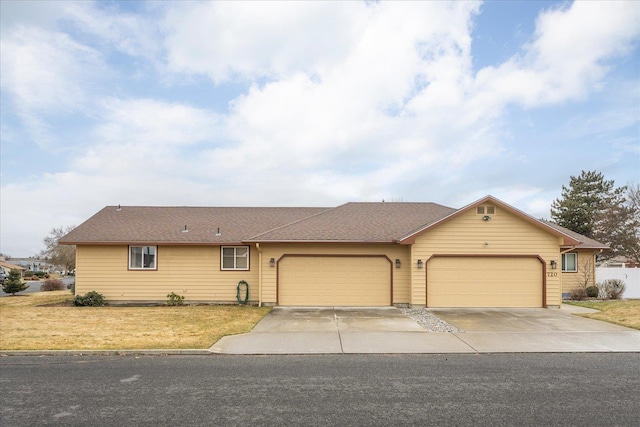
x=346, y=390
x=34, y=286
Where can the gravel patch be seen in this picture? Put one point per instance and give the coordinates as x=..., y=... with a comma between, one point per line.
x=429, y=321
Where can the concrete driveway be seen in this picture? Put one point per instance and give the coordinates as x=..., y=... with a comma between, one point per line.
x=295, y=330
x=493, y=330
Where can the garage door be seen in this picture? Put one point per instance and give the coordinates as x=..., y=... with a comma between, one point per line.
x=484, y=282
x=334, y=281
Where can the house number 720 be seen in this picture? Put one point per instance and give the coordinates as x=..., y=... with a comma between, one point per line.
x=552, y=274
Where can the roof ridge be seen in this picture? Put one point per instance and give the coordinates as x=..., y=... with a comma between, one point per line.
x=423, y=226
x=213, y=207
x=293, y=222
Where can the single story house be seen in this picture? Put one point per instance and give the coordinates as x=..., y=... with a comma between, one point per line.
x=486, y=254
x=32, y=264
x=7, y=267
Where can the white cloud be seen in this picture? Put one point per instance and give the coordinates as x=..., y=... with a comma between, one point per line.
x=46, y=73
x=45, y=70
x=385, y=105
x=43, y=15
x=566, y=58
x=132, y=34
x=257, y=39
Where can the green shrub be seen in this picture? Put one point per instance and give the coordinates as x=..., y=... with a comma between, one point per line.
x=592, y=291
x=28, y=273
x=174, y=299
x=90, y=299
x=52, y=285
x=13, y=283
x=72, y=287
x=40, y=274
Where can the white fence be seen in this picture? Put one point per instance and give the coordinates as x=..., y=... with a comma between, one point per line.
x=630, y=276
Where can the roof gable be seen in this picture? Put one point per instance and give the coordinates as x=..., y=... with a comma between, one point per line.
x=567, y=238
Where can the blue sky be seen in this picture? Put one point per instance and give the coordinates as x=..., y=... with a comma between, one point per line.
x=308, y=104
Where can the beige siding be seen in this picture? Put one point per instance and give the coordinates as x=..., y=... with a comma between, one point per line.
x=586, y=271
x=191, y=271
x=401, y=276
x=504, y=234
x=334, y=281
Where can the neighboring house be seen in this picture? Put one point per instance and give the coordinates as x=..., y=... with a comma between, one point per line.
x=486, y=254
x=33, y=264
x=7, y=267
x=619, y=262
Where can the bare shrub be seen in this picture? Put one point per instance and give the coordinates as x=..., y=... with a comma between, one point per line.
x=584, y=282
x=578, y=293
x=53, y=285
x=611, y=289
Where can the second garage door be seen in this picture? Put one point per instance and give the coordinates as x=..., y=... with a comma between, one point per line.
x=484, y=282
x=334, y=281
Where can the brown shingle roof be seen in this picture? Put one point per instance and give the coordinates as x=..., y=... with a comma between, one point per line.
x=585, y=242
x=351, y=222
x=358, y=222
x=145, y=224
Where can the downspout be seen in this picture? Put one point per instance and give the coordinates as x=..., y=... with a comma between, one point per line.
x=259, y=274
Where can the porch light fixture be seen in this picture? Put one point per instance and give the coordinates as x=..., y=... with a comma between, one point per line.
x=272, y=262
x=554, y=264
x=397, y=262
x=420, y=263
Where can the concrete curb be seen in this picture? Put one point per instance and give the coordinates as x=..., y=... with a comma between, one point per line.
x=142, y=352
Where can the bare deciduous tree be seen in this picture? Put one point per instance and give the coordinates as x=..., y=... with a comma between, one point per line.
x=63, y=255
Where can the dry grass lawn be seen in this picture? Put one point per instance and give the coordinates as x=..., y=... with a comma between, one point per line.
x=25, y=324
x=624, y=313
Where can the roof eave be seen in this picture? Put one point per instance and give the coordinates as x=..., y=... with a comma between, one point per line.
x=154, y=242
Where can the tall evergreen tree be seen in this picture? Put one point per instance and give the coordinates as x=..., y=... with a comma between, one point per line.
x=633, y=197
x=583, y=201
x=594, y=207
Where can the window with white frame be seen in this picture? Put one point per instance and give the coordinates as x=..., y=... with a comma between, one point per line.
x=234, y=258
x=570, y=262
x=142, y=257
